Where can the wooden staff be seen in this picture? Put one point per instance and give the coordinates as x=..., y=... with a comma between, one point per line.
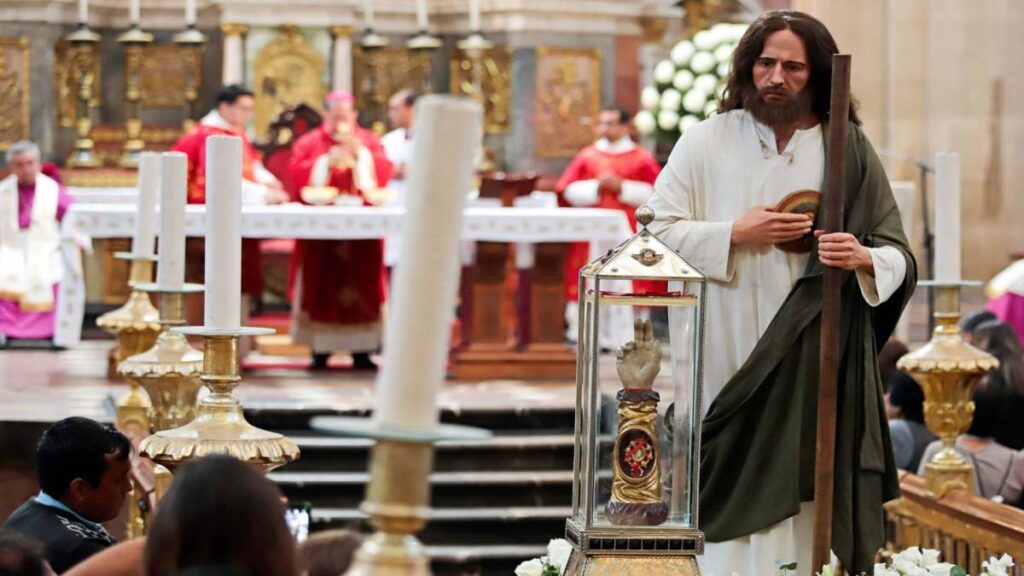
x=825, y=452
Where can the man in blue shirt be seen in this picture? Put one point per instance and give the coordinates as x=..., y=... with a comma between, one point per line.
x=83, y=468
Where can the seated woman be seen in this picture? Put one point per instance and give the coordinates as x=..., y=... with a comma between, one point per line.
x=1000, y=340
x=998, y=470
x=904, y=407
x=31, y=207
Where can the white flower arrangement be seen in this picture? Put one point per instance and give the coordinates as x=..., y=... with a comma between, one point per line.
x=916, y=561
x=688, y=85
x=553, y=564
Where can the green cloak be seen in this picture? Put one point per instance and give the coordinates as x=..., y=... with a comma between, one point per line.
x=757, y=458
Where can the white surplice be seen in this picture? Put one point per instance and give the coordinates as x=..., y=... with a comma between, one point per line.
x=718, y=170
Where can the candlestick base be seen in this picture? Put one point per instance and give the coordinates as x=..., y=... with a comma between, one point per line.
x=398, y=495
x=170, y=370
x=947, y=368
x=219, y=426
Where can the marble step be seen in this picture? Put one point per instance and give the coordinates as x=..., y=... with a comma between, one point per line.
x=286, y=415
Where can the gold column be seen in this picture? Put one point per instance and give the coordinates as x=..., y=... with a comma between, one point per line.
x=219, y=426
x=234, y=53
x=947, y=368
x=83, y=55
x=341, y=63
x=192, y=42
x=134, y=42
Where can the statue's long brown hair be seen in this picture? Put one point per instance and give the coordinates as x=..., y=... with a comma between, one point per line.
x=820, y=47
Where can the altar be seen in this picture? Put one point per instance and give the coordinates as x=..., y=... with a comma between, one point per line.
x=101, y=217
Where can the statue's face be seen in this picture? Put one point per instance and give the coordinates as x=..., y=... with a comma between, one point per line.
x=25, y=167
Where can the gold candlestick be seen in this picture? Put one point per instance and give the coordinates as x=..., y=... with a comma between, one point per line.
x=83, y=55
x=134, y=42
x=170, y=370
x=136, y=323
x=193, y=42
x=219, y=426
x=947, y=368
x=398, y=494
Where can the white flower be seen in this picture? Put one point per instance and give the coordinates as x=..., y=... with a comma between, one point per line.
x=682, y=52
x=688, y=121
x=911, y=556
x=671, y=99
x=940, y=569
x=702, y=62
x=644, y=122
x=929, y=557
x=533, y=567
x=998, y=566
x=883, y=570
x=664, y=72
x=667, y=120
x=723, y=69
x=683, y=80
x=706, y=83
x=704, y=40
x=649, y=98
x=724, y=52
x=694, y=101
x=711, y=108
x=558, y=553
x=736, y=31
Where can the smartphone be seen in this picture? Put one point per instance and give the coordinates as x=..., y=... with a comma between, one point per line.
x=298, y=516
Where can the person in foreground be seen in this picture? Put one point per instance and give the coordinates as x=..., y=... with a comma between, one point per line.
x=220, y=516
x=714, y=202
x=83, y=468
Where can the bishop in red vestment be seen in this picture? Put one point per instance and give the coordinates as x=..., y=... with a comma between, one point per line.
x=339, y=284
x=235, y=106
x=611, y=173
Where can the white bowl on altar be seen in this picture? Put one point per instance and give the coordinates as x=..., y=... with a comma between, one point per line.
x=319, y=195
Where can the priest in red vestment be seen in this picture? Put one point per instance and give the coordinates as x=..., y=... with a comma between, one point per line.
x=339, y=284
x=611, y=173
x=235, y=105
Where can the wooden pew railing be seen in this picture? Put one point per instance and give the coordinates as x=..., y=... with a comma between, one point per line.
x=966, y=528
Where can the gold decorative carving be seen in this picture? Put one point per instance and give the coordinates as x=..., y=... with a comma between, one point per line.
x=289, y=72
x=69, y=60
x=379, y=73
x=234, y=29
x=14, y=91
x=488, y=78
x=167, y=65
x=568, y=100
x=342, y=31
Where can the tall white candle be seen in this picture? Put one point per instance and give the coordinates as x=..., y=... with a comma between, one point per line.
x=947, y=217
x=474, y=15
x=170, y=273
x=83, y=11
x=190, y=12
x=145, y=216
x=416, y=341
x=421, y=14
x=133, y=11
x=223, y=232
x=368, y=12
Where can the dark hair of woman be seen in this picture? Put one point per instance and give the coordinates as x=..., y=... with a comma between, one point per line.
x=1001, y=341
x=818, y=43
x=220, y=513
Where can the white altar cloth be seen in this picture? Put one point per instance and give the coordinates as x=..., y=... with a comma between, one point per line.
x=603, y=228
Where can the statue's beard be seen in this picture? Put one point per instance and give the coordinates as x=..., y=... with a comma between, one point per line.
x=773, y=113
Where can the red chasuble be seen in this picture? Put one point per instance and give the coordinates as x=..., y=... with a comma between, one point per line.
x=591, y=163
x=193, y=145
x=339, y=284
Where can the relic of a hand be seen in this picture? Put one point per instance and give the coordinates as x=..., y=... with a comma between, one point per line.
x=638, y=362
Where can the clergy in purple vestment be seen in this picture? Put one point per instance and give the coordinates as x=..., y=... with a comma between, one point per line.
x=31, y=207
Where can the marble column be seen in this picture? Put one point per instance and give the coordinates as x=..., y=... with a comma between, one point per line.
x=234, y=55
x=341, y=62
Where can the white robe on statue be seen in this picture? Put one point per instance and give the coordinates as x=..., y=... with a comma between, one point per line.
x=718, y=170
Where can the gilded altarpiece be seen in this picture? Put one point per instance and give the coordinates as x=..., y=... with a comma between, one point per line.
x=14, y=87
x=381, y=72
x=68, y=80
x=165, y=71
x=487, y=78
x=568, y=100
x=288, y=72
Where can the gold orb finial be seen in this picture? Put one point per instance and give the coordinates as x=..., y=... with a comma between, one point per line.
x=644, y=215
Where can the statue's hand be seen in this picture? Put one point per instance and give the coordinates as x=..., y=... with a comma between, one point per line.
x=638, y=362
